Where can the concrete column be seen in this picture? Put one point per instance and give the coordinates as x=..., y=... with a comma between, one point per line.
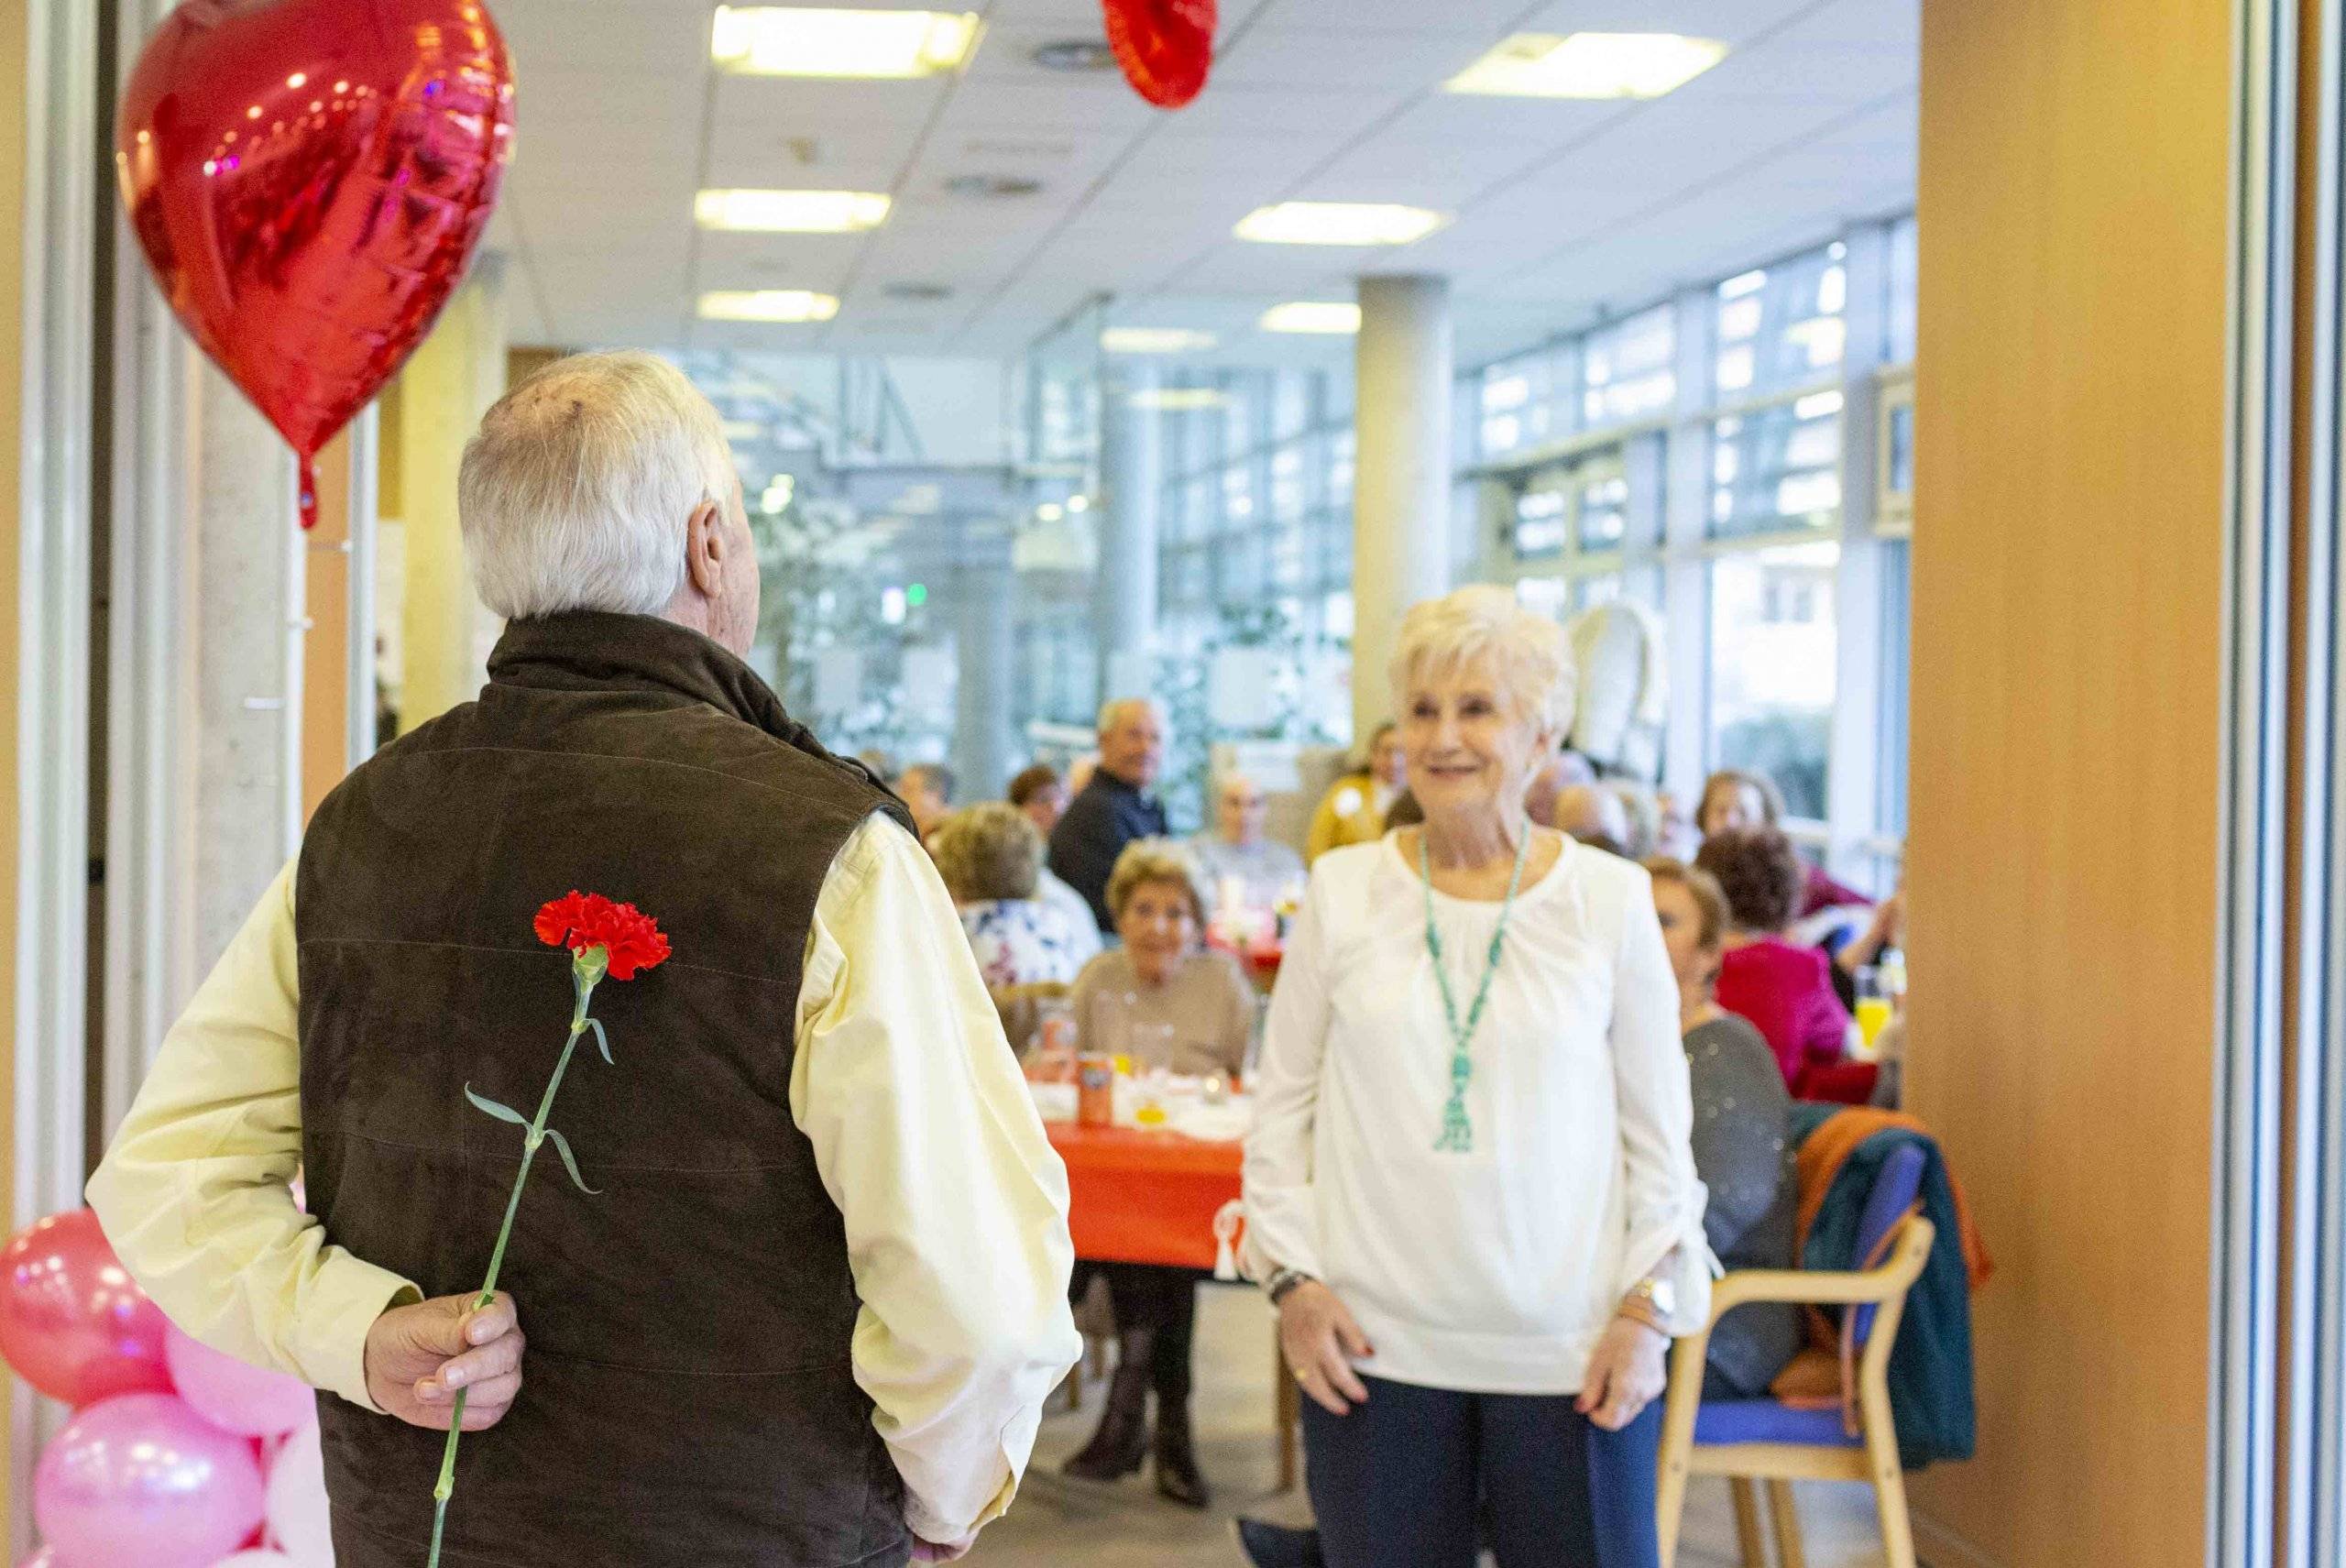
x=1131, y=466
x=454, y=376
x=249, y=607
x=1401, y=484
x=985, y=594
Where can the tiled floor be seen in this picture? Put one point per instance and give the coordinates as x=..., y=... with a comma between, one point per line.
x=1084, y=1525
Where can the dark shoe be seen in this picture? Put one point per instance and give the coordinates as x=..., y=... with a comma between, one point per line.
x=1117, y=1449
x=1177, y=1459
x=1276, y=1546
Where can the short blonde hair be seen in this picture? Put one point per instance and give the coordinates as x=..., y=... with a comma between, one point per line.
x=988, y=851
x=1710, y=903
x=1525, y=651
x=1157, y=859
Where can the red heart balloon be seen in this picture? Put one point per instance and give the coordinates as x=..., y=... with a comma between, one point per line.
x=308, y=178
x=1164, y=46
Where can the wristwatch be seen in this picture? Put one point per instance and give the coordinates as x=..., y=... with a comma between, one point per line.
x=1282, y=1281
x=1652, y=1301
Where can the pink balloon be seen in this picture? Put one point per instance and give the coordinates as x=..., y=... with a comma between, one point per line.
x=73, y=1321
x=142, y=1478
x=258, y=1557
x=231, y=1395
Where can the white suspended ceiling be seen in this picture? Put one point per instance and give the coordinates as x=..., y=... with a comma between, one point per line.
x=1565, y=211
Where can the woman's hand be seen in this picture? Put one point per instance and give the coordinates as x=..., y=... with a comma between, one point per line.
x=1319, y=1338
x=1625, y=1372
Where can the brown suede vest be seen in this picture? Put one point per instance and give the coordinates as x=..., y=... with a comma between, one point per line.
x=687, y=1399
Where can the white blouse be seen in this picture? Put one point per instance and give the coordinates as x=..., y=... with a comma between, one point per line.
x=1494, y=1271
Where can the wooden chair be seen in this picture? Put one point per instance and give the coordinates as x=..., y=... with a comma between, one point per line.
x=1749, y=1440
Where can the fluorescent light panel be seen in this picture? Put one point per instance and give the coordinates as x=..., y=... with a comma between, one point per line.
x=791, y=211
x=767, y=305
x=1154, y=340
x=1589, y=65
x=1179, y=400
x=794, y=40
x=1338, y=223
x=1331, y=316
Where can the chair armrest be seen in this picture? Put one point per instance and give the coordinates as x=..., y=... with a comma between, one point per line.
x=1830, y=1287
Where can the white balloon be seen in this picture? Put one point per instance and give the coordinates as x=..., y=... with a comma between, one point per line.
x=298, y=1519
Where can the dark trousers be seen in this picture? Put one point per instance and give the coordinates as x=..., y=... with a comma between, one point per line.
x=1417, y=1477
x=1164, y=1301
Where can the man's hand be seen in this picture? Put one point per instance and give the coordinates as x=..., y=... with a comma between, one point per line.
x=418, y=1357
x=948, y=1552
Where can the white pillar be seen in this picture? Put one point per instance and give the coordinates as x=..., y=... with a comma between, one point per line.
x=249, y=598
x=983, y=648
x=1402, y=478
x=1132, y=468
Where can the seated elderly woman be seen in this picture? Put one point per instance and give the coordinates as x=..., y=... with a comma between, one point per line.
x=1469, y=1188
x=989, y=857
x=1734, y=800
x=1743, y=1138
x=1782, y=987
x=1169, y=1001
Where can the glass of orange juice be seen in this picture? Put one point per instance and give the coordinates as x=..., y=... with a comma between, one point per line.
x=1873, y=1008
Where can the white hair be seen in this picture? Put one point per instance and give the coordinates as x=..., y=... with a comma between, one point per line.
x=1525, y=650
x=1116, y=708
x=574, y=493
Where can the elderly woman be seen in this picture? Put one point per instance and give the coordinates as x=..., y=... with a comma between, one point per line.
x=1734, y=801
x=990, y=857
x=1469, y=1188
x=1743, y=1143
x=1782, y=986
x=1168, y=1001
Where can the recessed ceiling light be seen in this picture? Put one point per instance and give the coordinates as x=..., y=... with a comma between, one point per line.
x=1338, y=223
x=777, y=41
x=1589, y=65
x=767, y=305
x=1331, y=316
x=1179, y=400
x=1154, y=340
x=992, y=185
x=1076, y=54
x=791, y=211
x=917, y=293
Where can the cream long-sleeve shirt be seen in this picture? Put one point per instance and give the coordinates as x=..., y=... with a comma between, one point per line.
x=955, y=1204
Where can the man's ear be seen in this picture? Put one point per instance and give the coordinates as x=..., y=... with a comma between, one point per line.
x=705, y=546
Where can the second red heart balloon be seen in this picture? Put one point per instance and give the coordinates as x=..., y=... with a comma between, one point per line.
x=308, y=178
x=1164, y=46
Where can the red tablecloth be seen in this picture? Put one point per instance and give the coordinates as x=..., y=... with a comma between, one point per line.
x=1144, y=1196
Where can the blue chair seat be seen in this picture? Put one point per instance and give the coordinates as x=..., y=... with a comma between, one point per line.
x=1718, y=1422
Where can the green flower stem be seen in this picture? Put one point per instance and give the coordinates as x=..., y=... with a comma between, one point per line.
x=586, y=971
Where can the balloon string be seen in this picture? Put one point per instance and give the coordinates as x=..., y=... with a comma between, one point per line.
x=309, y=494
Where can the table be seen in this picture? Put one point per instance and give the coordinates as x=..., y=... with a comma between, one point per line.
x=1138, y=1196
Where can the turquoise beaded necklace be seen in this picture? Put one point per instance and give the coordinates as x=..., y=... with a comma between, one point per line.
x=1457, y=1127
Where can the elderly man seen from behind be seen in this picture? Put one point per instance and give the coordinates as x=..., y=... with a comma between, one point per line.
x=1239, y=861
x=812, y=1314
x=1114, y=807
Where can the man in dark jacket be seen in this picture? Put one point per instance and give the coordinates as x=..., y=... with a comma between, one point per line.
x=1116, y=807
x=811, y=1311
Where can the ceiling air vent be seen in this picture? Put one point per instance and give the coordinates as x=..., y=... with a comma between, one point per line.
x=992, y=187
x=1076, y=54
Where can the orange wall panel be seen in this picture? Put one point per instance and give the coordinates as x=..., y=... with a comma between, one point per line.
x=2066, y=685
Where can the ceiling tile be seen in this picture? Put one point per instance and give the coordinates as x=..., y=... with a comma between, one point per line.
x=1342, y=58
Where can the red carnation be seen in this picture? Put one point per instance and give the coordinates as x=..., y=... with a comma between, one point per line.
x=630, y=938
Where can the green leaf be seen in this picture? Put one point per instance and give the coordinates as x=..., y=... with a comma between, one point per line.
x=570, y=1162
x=601, y=1040
x=502, y=1112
